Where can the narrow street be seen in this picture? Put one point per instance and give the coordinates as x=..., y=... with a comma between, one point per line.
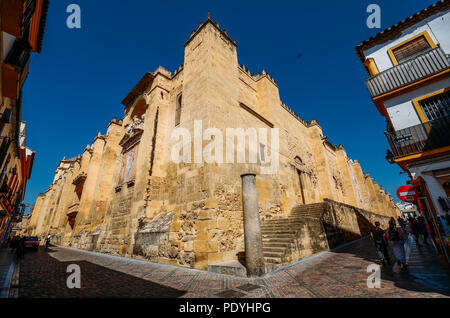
x=339, y=273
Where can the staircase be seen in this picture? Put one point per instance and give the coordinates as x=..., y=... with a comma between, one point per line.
x=278, y=235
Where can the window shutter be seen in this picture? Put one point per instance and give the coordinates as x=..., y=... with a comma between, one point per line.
x=411, y=49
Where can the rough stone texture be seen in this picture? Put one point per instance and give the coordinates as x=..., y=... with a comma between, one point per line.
x=102, y=199
x=254, y=258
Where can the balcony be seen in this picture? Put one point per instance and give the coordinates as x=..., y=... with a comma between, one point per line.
x=420, y=138
x=426, y=64
x=19, y=55
x=4, y=146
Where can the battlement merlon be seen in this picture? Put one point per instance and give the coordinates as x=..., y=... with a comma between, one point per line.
x=216, y=25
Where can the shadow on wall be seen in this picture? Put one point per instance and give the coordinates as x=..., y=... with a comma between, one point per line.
x=344, y=223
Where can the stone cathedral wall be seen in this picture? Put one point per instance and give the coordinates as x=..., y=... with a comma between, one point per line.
x=190, y=214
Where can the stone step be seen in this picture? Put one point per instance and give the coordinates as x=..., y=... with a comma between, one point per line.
x=274, y=254
x=273, y=260
x=282, y=224
x=300, y=213
x=297, y=213
x=306, y=206
x=276, y=244
x=275, y=235
x=304, y=217
x=278, y=231
x=285, y=223
x=276, y=240
x=319, y=208
x=298, y=218
x=290, y=228
x=281, y=250
x=286, y=220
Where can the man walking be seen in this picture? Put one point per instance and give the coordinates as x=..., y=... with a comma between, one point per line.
x=415, y=230
x=423, y=229
x=47, y=241
x=379, y=237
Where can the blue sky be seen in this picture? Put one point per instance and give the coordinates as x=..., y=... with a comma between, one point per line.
x=76, y=84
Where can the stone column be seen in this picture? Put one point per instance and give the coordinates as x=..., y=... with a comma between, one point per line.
x=254, y=258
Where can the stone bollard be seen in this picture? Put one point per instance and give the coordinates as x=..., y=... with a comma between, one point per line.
x=254, y=258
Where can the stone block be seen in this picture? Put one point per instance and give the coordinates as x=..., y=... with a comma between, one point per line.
x=223, y=224
x=206, y=215
x=211, y=204
x=201, y=225
x=188, y=246
x=201, y=260
x=173, y=251
x=206, y=246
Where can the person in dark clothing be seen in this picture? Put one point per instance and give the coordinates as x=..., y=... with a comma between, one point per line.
x=401, y=222
x=415, y=230
x=396, y=237
x=20, y=249
x=423, y=229
x=13, y=244
x=379, y=237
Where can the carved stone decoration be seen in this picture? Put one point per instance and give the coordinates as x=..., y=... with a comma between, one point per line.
x=152, y=237
x=132, y=130
x=138, y=124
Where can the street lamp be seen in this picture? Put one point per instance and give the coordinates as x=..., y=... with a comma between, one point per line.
x=390, y=156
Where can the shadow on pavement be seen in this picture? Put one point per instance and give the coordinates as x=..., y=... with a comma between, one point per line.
x=42, y=276
x=425, y=272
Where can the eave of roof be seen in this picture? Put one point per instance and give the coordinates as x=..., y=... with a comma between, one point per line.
x=396, y=29
x=140, y=88
x=42, y=25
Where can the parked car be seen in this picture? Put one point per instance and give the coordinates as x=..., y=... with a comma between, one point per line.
x=32, y=242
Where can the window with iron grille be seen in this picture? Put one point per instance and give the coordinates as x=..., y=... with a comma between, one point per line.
x=437, y=106
x=411, y=49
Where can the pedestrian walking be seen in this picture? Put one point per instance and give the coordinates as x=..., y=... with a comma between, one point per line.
x=379, y=237
x=423, y=229
x=396, y=237
x=20, y=249
x=401, y=222
x=47, y=241
x=13, y=244
x=413, y=224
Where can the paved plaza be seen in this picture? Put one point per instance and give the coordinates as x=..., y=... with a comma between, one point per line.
x=338, y=273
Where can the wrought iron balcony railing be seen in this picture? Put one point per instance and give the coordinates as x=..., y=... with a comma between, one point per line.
x=420, y=138
x=431, y=62
x=4, y=146
x=30, y=7
x=19, y=54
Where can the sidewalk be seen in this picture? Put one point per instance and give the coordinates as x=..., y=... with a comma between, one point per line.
x=8, y=273
x=425, y=266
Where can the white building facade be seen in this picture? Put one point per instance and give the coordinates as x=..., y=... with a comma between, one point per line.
x=409, y=68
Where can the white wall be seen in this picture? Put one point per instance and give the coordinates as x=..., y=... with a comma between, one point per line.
x=8, y=41
x=438, y=27
x=401, y=109
x=435, y=189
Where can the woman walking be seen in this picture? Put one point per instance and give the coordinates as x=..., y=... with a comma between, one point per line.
x=396, y=237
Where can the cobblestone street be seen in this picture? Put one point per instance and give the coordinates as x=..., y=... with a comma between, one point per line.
x=340, y=273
